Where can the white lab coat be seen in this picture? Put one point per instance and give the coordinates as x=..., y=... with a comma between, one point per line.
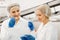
x=47, y=32
x=21, y=28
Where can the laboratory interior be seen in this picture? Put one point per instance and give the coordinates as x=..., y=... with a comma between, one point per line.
x=30, y=12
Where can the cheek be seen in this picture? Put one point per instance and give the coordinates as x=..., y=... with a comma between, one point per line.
x=11, y=14
x=19, y=13
x=43, y=18
x=39, y=17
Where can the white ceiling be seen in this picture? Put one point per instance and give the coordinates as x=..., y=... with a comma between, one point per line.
x=25, y=4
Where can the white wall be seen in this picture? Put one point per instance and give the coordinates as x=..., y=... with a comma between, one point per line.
x=26, y=4
x=57, y=8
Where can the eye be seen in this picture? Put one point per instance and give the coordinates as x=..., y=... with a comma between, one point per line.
x=17, y=10
x=13, y=11
x=39, y=15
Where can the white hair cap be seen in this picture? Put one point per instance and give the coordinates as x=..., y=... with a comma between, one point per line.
x=45, y=9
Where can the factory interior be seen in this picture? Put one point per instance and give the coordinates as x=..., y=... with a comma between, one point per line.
x=27, y=8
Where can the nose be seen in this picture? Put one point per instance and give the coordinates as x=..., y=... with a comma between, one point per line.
x=16, y=13
x=39, y=18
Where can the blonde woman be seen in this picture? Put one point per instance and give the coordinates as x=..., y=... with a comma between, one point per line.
x=46, y=30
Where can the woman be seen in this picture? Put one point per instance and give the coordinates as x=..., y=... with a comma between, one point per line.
x=14, y=27
x=46, y=30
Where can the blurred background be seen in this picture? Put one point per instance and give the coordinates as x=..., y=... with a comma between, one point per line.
x=27, y=8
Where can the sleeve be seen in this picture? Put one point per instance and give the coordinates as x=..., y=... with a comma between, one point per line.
x=4, y=32
x=51, y=34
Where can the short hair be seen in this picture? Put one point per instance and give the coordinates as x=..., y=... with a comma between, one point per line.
x=45, y=9
x=12, y=5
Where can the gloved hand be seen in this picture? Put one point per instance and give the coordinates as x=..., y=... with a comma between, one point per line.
x=12, y=22
x=27, y=37
x=31, y=26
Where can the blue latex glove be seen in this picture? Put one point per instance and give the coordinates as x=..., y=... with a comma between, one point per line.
x=31, y=26
x=24, y=38
x=12, y=22
x=28, y=37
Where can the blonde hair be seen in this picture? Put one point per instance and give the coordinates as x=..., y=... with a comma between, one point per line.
x=12, y=5
x=45, y=9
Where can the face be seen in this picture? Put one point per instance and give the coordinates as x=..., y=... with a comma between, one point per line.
x=41, y=17
x=15, y=12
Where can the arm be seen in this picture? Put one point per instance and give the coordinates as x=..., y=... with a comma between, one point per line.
x=4, y=32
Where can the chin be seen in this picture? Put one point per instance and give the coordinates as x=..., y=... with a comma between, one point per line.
x=16, y=18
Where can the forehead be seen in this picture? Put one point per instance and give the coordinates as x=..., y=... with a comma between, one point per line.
x=14, y=8
x=38, y=12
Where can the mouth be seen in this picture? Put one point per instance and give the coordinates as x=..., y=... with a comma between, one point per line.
x=16, y=15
